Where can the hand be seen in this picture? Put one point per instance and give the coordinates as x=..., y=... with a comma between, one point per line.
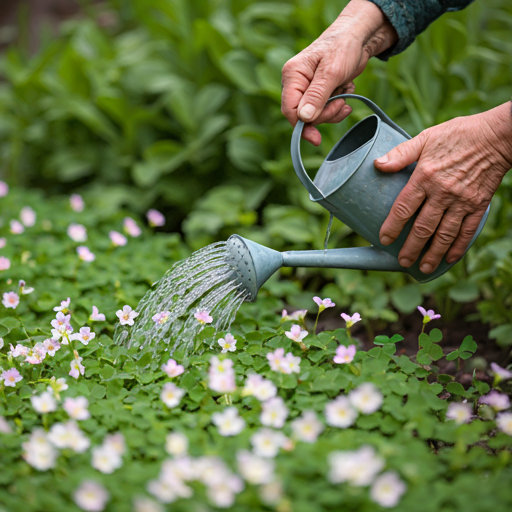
x=329, y=65
x=460, y=166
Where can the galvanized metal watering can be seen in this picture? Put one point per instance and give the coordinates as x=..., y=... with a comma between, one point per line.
x=347, y=185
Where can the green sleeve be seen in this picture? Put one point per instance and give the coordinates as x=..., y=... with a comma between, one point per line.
x=411, y=17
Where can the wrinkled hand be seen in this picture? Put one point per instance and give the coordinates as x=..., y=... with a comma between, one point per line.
x=328, y=66
x=460, y=166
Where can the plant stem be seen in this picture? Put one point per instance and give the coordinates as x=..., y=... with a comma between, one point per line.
x=316, y=322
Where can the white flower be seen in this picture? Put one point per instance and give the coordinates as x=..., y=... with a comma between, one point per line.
x=255, y=470
x=168, y=490
x=91, y=496
x=76, y=202
x=223, y=383
x=16, y=227
x=339, y=413
x=105, y=459
x=126, y=315
x=460, y=413
x=77, y=368
x=223, y=493
x=504, y=422
x=274, y=412
x=228, y=343
x=284, y=364
x=56, y=386
x=38, y=452
x=44, y=403
x=228, y=422
x=64, y=306
x=77, y=407
x=68, y=435
x=359, y=467
x=296, y=333
x=498, y=401
x=10, y=300
x=5, y=427
x=259, y=387
x=171, y=394
x=96, y=316
x=307, y=428
x=387, y=489
x=271, y=493
x=143, y=504
x=77, y=232
x=28, y=216
x=218, y=366
x=83, y=336
x=176, y=444
x=51, y=346
x=115, y=442
x=266, y=442
x=366, y=398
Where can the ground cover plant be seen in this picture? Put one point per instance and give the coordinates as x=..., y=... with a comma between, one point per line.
x=269, y=416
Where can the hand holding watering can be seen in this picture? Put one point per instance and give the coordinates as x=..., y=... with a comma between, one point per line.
x=440, y=207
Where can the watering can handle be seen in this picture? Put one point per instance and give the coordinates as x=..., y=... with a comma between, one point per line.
x=297, y=132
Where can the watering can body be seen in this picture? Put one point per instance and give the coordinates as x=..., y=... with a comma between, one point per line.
x=348, y=185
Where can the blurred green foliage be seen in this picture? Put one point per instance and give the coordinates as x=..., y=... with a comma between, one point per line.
x=177, y=105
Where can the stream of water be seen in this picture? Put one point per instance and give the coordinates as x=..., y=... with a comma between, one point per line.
x=206, y=281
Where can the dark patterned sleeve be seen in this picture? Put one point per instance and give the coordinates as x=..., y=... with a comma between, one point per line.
x=411, y=17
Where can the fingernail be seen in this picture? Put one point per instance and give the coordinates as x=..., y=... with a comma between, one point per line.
x=451, y=260
x=426, y=268
x=385, y=240
x=307, y=112
x=383, y=159
x=405, y=262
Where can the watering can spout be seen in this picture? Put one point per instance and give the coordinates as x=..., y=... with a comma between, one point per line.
x=255, y=263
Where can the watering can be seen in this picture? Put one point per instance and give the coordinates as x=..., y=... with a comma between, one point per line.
x=348, y=186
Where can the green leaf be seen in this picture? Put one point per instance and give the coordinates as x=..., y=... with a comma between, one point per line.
x=455, y=388
x=245, y=359
x=406, y=364
x=407, y=299
x=502, y=334
x=464, y=291
x=98, y=391
x=468, y=345
x=452, y=355
x=436, y=335
x=10, y=323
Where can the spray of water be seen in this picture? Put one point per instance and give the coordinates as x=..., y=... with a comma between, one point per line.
x=206, y=281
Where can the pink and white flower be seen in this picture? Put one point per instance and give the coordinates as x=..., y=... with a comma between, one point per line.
x=276, y=359
x=267, y=442
x=203, y=317
x=64, y=306
x=77, y=232
x=24, y=289
x=56, y=386
x=155, y=218
x=307, y=428
x=126, y=315
x=5, y=263
x=274, y=412
x=61, y=320
x=296, y=333
x=3, y=242
x=43, y=403
x=68, y=435
x=105, y=459
x=359, y=467
x=500, y=373
x=366, y=398
x=36, y=354
x=5, y=427
x=176, y=444
x=259, y=387
x=504, y=422
x=351, y=320
x=10, y=300
x=91, y=496
x=16, y=227
x=4, y=188
x=51, y=346
x=117, y=238
x=131, y=227
x=76, y=202
x=38, y=451
x=77, y=368
x=172, y=368
x=459, y=412
x=11, y=377
x=323, y=303
x=339, y=413
x=116, y=442
x=28, y=216
x=498, y=401
x=291, y=364
x=254, y=469
x=85, y=254
x=387, y=489
x=222, y=382
x=228, y=422
x=96, y=316
x=171, y=394
x=344, y=354
x=428, y=315
x=77, y=408
x=19, y=350
x=297, y=316
x=161, y=318
x=84, y=336
x=228, y=343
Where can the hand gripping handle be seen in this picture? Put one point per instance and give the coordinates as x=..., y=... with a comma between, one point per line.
x=297, y=132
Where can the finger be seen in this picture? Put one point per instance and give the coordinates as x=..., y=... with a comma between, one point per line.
x=423, y=228
x=331, y=110
x=444, y=237
x=296, y=76
x=466, y=233
x=311, y=134
x=324, y=81
x=405, y=206
x=402, y=155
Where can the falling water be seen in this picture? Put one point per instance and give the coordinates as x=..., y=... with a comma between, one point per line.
x=206, y=281
x=328, y=232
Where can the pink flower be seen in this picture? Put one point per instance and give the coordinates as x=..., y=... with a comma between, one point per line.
x=351, y=320
x=77, y=368
x=77, y=232
x=10, y=300
x=96, y=316
x=276, y=359
x=5, y=263
x=203, y=317
x=77, y=407
x=61, y=320
x=85, y=254
x=3, y=242
x=76, y=202
x=172, y=368
x=459, y=412
x=155, y=218
x=16, y=227
x=24, y=289
x=498, y=401
x=28, y=216
x=51, y=346
x=83, y=336
x=11, y=377
x=131, y=227
x=297, y=316
x=323, y=303
x=345, y=354
x=36, y=354
x=126, y=315
x=117, y=239
x=4, y=189
x=291, y=364
x=296, y=333
x=500, y=373
x=428, y=315
x=20, y=350
x=64, y=305
x=161, y=318
x=91, y=496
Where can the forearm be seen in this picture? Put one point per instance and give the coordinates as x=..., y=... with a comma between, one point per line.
x=498, y=122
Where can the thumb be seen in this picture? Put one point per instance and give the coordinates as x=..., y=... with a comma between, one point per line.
x=316, y=96
x=401, y=156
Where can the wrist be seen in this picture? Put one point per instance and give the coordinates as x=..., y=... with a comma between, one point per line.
x=368, y=25
x=498, y=122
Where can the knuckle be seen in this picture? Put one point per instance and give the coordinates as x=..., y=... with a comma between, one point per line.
x=421, y=231
x=445, y=237
x=466, y=233
x=402, y=211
